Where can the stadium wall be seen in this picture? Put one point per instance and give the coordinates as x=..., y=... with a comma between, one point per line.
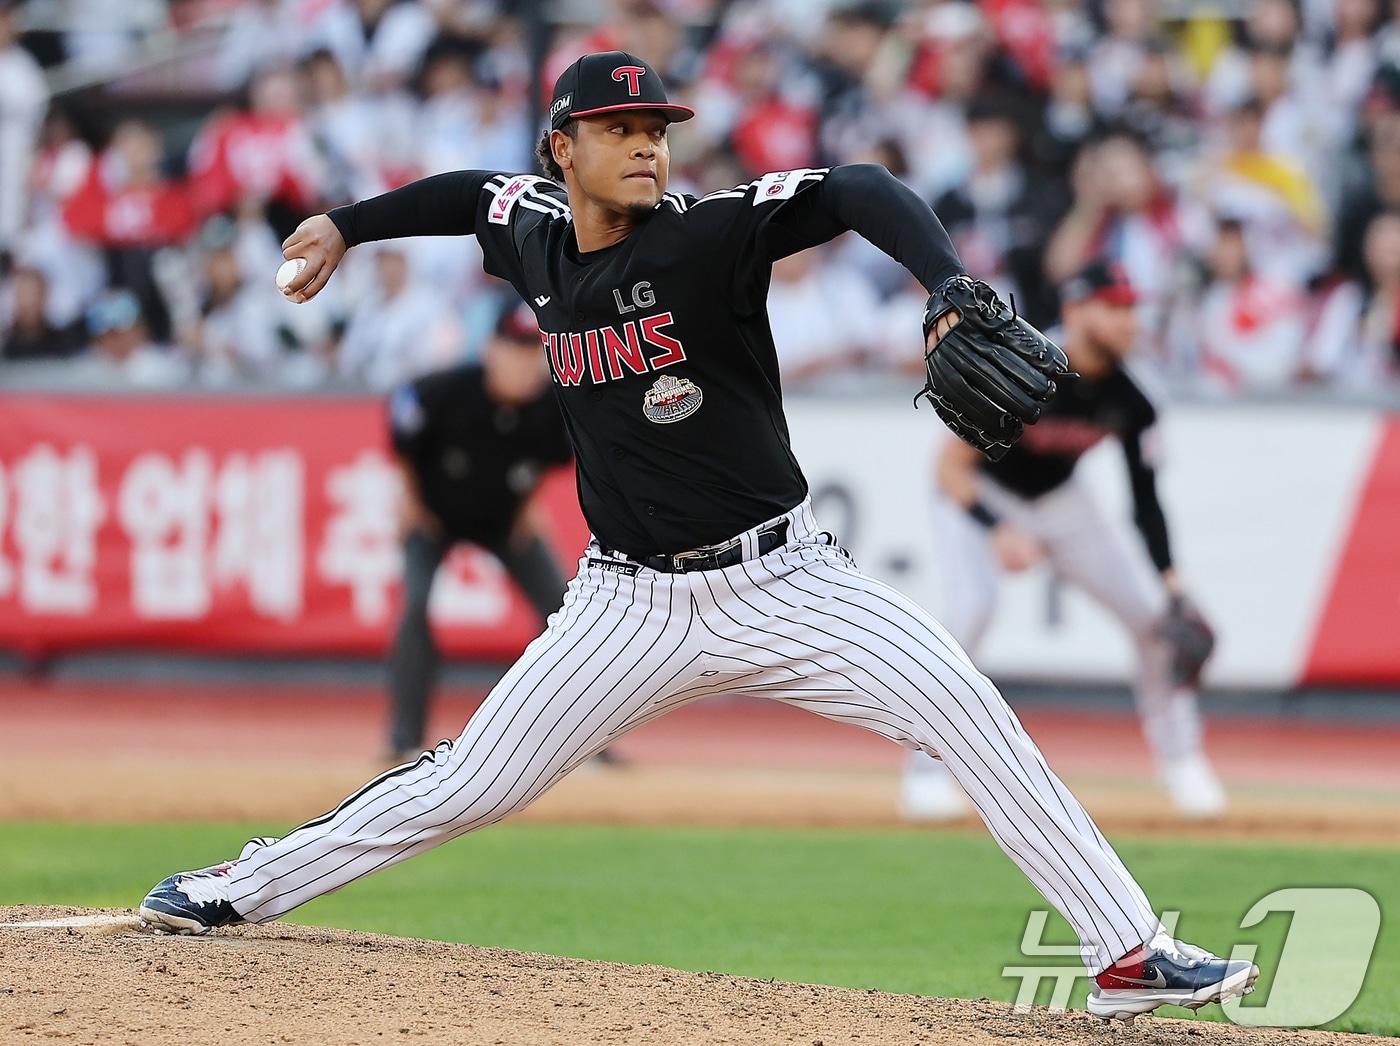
x=266, y=525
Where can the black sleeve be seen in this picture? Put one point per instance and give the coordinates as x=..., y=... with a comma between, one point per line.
x=443, y=205
x=1147, y=508
x=866, y=199
x=500, y=209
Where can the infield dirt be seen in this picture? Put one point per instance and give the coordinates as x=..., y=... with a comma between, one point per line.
x=294, y=984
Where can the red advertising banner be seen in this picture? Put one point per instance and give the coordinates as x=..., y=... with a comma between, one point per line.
x=228, y=524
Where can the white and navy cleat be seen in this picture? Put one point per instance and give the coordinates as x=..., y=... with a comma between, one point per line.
x=195, y=902
x=1166, y=972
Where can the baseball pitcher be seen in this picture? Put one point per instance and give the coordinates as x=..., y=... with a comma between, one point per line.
x=707, y=573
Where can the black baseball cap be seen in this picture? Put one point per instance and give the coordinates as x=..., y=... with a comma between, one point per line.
x=1102, y=280
x=610, y=82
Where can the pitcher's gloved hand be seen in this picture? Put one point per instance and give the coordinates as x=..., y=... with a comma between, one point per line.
x=989, y=372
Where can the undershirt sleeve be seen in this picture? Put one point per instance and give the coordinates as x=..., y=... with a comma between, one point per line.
x=443, y=205
x=1148, y=516
x=866, y=199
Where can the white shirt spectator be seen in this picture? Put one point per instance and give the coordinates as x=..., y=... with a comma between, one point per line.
x=23, y=97
x=400, y=330
x=1251, y=335
x=820, y=316
x=1354, y=341
x=393, y=50
x=238, y=339
x=466, y=130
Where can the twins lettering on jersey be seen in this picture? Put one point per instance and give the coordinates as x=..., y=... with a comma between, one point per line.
x=611, y=353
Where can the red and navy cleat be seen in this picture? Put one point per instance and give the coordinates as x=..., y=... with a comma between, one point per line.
x=195, y=902
x=1165, y=972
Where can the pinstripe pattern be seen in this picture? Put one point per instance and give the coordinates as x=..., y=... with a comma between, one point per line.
x=799, y=625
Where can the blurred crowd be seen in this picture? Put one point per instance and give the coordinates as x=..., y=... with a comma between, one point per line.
x=1241, y=162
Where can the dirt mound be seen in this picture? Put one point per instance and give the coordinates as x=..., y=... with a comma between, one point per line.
x=108, y=982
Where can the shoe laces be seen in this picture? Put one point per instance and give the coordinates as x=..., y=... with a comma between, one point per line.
x=1181, y=952
x=206, y=887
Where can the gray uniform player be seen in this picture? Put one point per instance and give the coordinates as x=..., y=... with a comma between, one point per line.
x=1029, y=507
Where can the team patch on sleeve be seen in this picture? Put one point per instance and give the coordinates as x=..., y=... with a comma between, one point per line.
x=504, y=199
x=781, y=185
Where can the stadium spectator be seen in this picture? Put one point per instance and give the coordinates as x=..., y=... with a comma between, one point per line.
x=1244, y=332
x=345, y=129
x=379, y=42
x=1119, y=54
x=130, y=210
x=1068, y=120
x=31, y=336
x=263, y=151
x=121, y=352
x=400, y=330
x=23, y=97
x=1272, y=195
x=236, y=333
x=1275, y=25
x=467, y=119
x=999, y=215
x=1132, y=125
x=1123, y=212
x=820, y=316
x=1356, y=342
x=1374, y=188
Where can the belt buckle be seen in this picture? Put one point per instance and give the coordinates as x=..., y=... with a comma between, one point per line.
x=679, y=559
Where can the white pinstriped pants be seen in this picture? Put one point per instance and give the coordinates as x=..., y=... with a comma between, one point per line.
x=800, y=624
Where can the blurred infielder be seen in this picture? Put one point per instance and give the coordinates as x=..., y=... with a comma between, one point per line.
x=1030, y=506
x=707, y=573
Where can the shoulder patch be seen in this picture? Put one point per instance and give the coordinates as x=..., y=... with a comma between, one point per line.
x=780, y=185
x=504, y=199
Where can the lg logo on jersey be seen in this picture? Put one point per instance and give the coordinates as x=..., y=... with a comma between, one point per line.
x=642, y=298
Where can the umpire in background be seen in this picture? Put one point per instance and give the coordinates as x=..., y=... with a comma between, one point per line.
x=473, y=443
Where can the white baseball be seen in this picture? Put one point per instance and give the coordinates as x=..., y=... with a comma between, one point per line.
x=288, y=271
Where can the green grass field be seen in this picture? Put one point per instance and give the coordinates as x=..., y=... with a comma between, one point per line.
x=935, y=914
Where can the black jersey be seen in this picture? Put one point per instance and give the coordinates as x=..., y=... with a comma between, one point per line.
x=1082, y=413
x=475, y=460
x=660, y=347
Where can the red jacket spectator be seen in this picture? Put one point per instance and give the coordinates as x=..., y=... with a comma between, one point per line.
x=124, y=202
x=264, y=152
x=264, y=155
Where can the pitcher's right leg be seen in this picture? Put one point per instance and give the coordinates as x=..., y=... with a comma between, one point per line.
x=616, y=654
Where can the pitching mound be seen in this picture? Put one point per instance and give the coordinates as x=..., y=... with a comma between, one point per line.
x=91, y=976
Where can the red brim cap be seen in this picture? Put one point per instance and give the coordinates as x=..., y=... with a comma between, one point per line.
x=611, y=82
x=674, y=113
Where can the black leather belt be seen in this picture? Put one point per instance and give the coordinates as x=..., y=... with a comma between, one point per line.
x=712, y=557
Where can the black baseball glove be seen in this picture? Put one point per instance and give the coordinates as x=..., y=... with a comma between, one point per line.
x=993, y=372
x=1191, y=639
